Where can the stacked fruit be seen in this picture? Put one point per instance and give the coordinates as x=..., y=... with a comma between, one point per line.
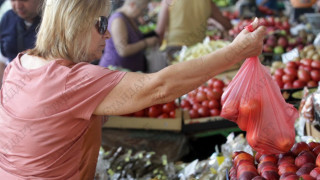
x=280, y=41
x=205, y=100
x=298, y=74
x=167, y=110
x=272, y=24
x=301, y=162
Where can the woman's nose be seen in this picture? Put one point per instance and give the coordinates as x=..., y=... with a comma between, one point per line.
x=107, y=35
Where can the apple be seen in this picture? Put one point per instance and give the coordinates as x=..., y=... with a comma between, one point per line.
x=286, y=174
x=307, y=177
x=315, y=75
x=284, y=167
x=304, y=170
x=316, y=150
x=247, y=175
x=304, y=157
x=272, y=175
x=268, y=164
x=318, y=160
x=286, y=159
x=297, y=148
x=313, y=144
x=258, y=178
x=243, y=156
x=291, y=177
x=278, y=50
x=266, y=157
x=282, y=41
x=315, y=172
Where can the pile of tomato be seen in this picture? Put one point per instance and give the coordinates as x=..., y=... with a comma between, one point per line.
x=205, y=100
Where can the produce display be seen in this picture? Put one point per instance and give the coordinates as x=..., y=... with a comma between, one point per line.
x=200, y=49
x=271, y=23
x=167, y=110
x=120, y=163
x=205, y=100
x=301, y=162
x=304, y=71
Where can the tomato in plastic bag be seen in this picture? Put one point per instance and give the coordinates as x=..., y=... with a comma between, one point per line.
x=253, y=100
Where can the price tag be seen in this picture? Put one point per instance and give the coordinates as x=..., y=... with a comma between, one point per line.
x=289, y=56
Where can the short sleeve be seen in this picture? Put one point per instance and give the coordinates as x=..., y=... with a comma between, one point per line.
x=87, y=85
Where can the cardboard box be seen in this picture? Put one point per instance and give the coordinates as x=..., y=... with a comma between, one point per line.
x=313, y=130
x=124, y=122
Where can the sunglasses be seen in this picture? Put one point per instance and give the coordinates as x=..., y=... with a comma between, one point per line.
x=102, y=25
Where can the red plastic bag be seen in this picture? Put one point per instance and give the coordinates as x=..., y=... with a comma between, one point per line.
x=253, y=100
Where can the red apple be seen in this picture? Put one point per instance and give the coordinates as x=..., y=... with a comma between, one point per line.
x=304, y=157
x=315, y=172
x=272, y=175
x=270, y=158
x=307, y=177
x=286, y=159
x=316, y=150
x=284, y=167
x=299, y=147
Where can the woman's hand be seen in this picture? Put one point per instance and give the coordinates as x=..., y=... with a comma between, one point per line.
x=249, y=44
x=152, y=41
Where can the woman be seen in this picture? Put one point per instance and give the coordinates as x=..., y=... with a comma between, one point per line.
x=184, y=23
x=52, y=98
x=126, y=47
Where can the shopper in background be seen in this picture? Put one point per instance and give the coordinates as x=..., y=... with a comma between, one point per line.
x=300, y=8
x=126, y=46
x=185, y=22
x=18, y=27
x=53, y=99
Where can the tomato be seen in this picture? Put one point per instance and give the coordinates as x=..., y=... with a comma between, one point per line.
x=216, y=93
x=278, y=80
x=185, y=104
x=298, y=83
x=306, y=68
x=201, y=88
x=218, y=84
x=292, y=64
x=172, y=114
x=201, y=96
x=315, y=75
x=312, y=84
x=279, y=72
x=154, y=111
x=304, y=75
x=210, y=82
x=287, y=78
x=215, y=112
x=193, y=93
x=140, y=113
x=214, y=104
x=248, y=109
x=196, y=106
x=288, y=85
x=315, y=64
x=230, y=110
x=291, y=71
x=203, y=112
x=163, y=116
x=168, y=107
x=306, y=62
x=193, y=113
x=205, y=103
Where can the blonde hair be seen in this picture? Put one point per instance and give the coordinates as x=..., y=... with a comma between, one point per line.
x=65, y=30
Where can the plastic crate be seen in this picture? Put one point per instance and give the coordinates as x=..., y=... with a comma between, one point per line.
x=314, y=20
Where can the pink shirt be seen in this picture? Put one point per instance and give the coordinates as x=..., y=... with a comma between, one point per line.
x=47, y=130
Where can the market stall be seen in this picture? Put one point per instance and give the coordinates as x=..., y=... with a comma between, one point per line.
x=171, y=132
